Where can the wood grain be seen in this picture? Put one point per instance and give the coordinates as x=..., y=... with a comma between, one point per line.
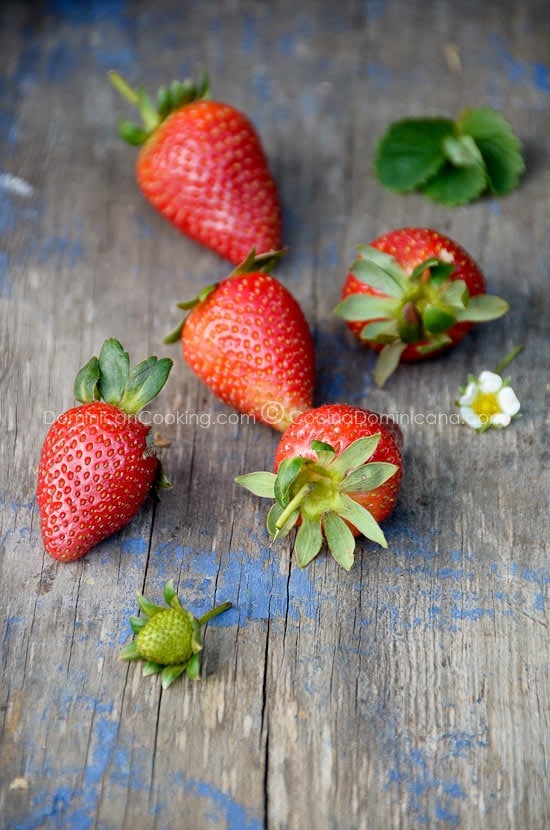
x=412, y=692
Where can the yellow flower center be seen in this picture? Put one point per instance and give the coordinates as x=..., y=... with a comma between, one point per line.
x=485, y=406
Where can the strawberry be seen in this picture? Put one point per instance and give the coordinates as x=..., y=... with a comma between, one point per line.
x=97, y=465
x=168, y=639
x=337, y=474
x=247, y=339
x=411, y=294
x=203, y=167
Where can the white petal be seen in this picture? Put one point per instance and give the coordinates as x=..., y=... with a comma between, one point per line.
x=470, y=418
x=490, y=382
x=470, y=394
x=507, y=401
x=500, y=420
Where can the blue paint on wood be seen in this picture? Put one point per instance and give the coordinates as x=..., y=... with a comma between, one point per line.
x=221, y=805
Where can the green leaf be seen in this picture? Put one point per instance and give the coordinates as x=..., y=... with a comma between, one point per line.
x=130, y=652
x=462, y=151
x=85, y=384
x=144, y=383
x=308, y=541
x=275, y=513
x=439, y=270
x=386, y=262
x=436, y=342
x=114, y=368
x=171, y=673
x=260, y=484
x=149, y=668
x=356, y=454
x=137, y=623
x=193, y=668
x=286, y=476
x=500, y=148
x=411, y=151
x=340, y=540
x=146, y=607
x=381, y=331
x=376, y=277
x=368, y=477
x=454, y=186
x=457, y=294
x=132, y=133
x=363, y=307
x=483, y=307
x=169, y=593
x=361, y=519
x=388, y=361
x=437, y=319
x=325, y=453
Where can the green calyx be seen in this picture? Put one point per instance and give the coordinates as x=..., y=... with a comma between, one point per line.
x=169, y=99
x=108, y=378
x=451, y=162
x=168, y=638
x=253, y=263
x=415, y=309
x=318, y=492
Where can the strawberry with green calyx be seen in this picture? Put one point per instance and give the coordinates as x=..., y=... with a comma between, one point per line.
x=97, y=464
x=248, y=340
x=413, y=293
x=337, y=474
x=168, y=638
x=202, y=166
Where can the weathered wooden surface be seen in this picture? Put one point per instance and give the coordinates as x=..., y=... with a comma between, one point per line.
x=411, y=692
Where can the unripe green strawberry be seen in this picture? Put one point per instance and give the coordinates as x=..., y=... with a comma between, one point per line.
x=168, y=639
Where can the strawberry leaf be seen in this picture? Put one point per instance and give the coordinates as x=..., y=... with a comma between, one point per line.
x=363, y=307
x=85, y=384
x=308, y=541
x=360, y=518
x=260, y=484
x=340, y=540
x=149, y=668
x=454, y=186
x=376, y=277
x=286, y=476
x=368, y=477
x=462, y=151
x=386, y=262
x=357, y=453
x=381, y=331
x=114, y=368
x=192, y=668
x=273, y=517
x=483, y=307
x=437, y=319
x=411, y=151
x=499, y=147
x=171, y=673
x=144, y=383
x=388, y=361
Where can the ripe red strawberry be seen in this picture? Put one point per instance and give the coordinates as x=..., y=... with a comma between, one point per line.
x=337, y=474
x=413, y=293
x=168, y=638
x=203, y=167
x=97, y=464
x=247, y=339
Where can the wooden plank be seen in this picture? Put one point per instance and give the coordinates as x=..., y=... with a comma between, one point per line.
x=412, y=691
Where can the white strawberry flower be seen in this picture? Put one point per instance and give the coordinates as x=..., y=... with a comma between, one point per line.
x=488, y=401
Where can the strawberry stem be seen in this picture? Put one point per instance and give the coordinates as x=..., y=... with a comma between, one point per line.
x=293, y=505
x=508, y=359
x=214, y=612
